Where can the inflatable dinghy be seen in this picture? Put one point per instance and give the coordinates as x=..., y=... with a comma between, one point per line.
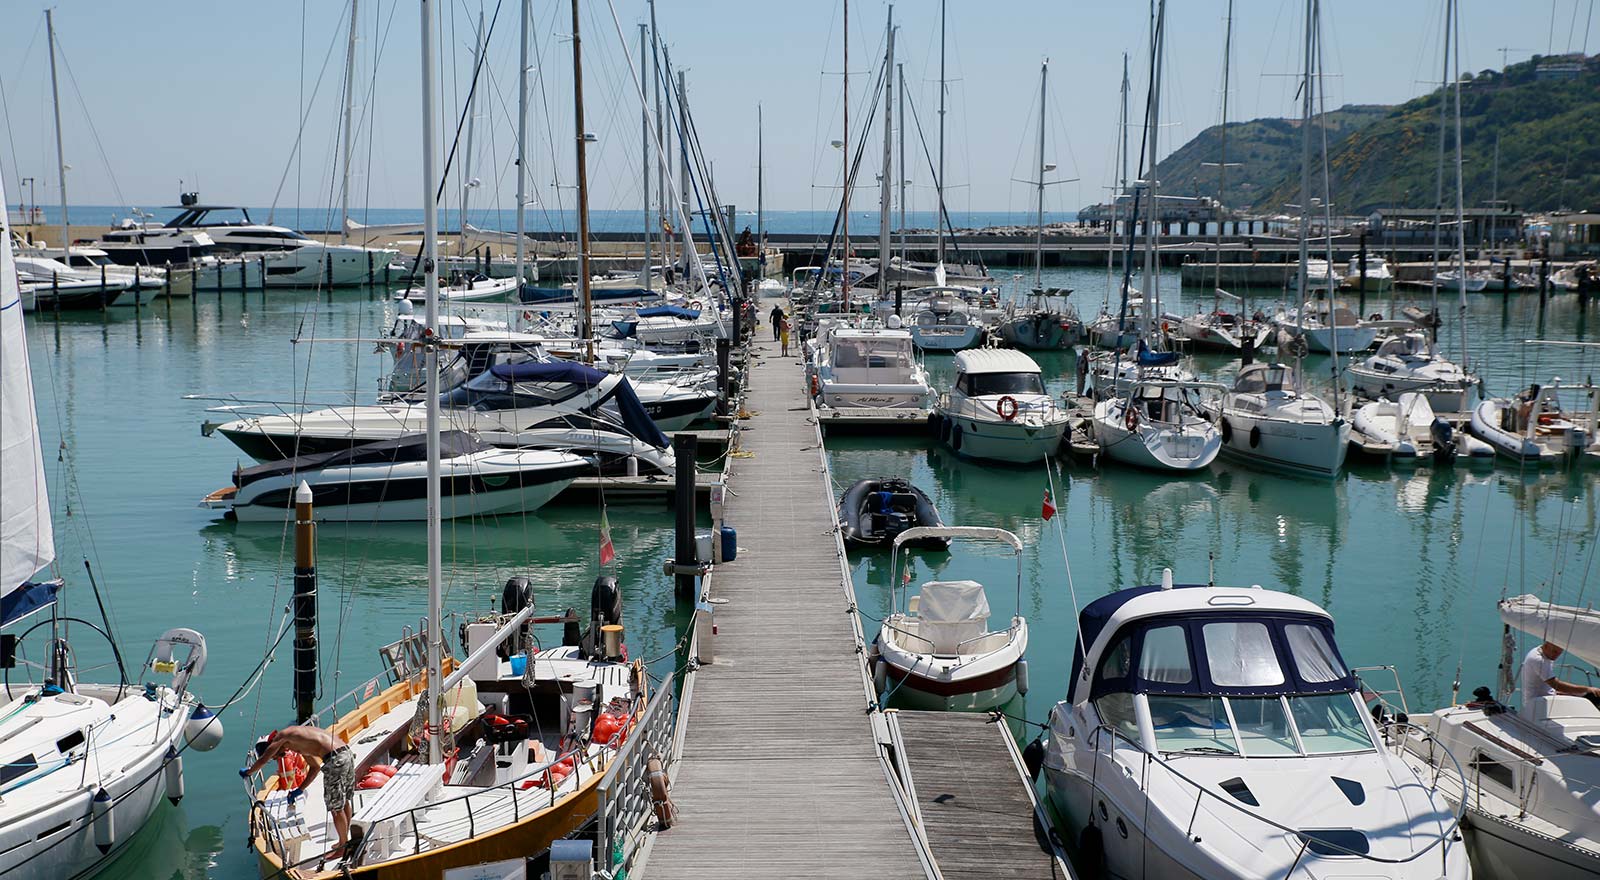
x=873, y=511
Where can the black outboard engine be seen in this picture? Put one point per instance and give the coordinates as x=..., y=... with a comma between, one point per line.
x=1444, y=440
x=605, y=609
x=515, y=596
x=572, y=630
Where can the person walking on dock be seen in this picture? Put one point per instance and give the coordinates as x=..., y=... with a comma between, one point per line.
x=326, y=755
x=783, y=333
x=776, y=318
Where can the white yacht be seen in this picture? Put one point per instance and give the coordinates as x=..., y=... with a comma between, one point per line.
x=939, y=652
x=869, y=366
x=1529, y=793
x=1159, y=425
x=295, y=260
x=1471, y=282
x=1409, y=362
x=1379, y=277
x=998, y=409
x=1269, y=420
x=1215, y=733
x=1109, y=330
x=53, y=279
x=466, y=288
x=1320, y=275
x=1220, y=330
x=385, y=481
x=92, y=263
x=1325, y=329
x=142, y=243
x=1114, y=373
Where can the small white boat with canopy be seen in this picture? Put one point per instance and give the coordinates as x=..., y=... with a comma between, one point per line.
x=867, y=367
x=1410, y=362
x=998, y=409
x=939, y=653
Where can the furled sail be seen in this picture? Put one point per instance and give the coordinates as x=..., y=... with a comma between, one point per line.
x=1575, y=629
x=26, y=542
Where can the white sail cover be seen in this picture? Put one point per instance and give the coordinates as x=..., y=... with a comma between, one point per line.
x=1575, y=629
x=26, y=541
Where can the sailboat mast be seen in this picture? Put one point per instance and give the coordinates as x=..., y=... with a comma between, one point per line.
x=522, y=139
x=644, y=152
x=666, y=141
x=349, y=105
x=585, y=329
x=1438, y=190
x=1461, y=228
x=938, y=184
x=466, y=157
x=1152, y=238
x=430, y=281
x=886, y=188
x=900, y=71
x=761, y=192
x=1038, y=234
x=683, y=172
x=1122, y=183
x=1305, y=167
x=61, y=157
x=1222, y=159
x=844, y=262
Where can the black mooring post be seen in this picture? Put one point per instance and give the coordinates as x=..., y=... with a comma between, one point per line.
x=1544, y=274
x=684, y=448
x=738, y=321
x=899, y=298
x=724, y=364
x=1362, y=309
x=305, y=606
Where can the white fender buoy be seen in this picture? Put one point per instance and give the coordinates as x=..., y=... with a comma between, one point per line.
x=1022, y=677
x=105, y=827
x=203, y=731
x=174, y=773
x=880, y=675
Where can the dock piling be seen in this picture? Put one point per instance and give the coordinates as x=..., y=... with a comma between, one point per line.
x=305, y=605
x=684, y=449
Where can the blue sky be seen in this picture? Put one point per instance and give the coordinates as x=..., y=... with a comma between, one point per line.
x=212, y=93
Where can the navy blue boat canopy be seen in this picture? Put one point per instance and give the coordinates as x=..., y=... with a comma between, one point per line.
x=669, y=312
x=1148, y=358
x=549, y=371
x=27, y=599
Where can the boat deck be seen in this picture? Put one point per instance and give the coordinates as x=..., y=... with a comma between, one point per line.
x=976, y=805
x=780, y=774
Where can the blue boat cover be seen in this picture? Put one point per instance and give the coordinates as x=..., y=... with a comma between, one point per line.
x=532, y=294
x=1148, y=358
x=26, y=599
x=624, y=329
x=669, y=312
x=549, y=371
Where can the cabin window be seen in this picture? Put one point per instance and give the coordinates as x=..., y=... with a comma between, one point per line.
x=1005, y=383
x=962, y=385
x=1240, y=654
x=1117, y=712
x=1494, y=771
x=1190, y=724
x=1329, y=723
x=1250, y=383
x=1164, y=657
x=1263, y=726
x=1314, y=658
x=1116, y=664
x=18, y=768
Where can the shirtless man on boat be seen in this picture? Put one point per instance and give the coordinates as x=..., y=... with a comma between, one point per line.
x=324, y=754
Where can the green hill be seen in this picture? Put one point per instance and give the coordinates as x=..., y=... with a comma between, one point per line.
x=1548, y=126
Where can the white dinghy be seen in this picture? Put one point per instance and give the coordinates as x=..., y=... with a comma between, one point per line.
x=940, y=653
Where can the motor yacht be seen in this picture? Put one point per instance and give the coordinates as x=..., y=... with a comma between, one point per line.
x=1408, y=361
x=943, y=320
x=867, y=366
x=1215, y=733
x=998, y=409
x=1269, y=420
x=51, y=282
x=385, y=481
x=1379, y=277
x=939, y=652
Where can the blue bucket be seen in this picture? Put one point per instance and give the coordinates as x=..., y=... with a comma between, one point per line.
x=519, y=664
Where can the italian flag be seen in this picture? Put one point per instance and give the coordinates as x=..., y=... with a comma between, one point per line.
x=1049, y=508
x=608, y=551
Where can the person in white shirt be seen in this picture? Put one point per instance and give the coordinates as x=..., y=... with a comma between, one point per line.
x=1539, y=676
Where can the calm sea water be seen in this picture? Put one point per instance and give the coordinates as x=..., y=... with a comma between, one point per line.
x=1410, y=562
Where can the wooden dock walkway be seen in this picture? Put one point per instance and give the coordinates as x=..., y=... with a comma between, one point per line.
x=976, y=807
x=780, y=774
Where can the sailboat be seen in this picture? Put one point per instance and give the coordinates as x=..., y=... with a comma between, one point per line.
x=449, y=781
x=1039, y=324
x=121, y=742
x=1219, y=329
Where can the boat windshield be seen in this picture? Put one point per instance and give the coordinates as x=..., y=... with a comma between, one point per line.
x=1254, y=687
x=982, y=384
x=874, y=353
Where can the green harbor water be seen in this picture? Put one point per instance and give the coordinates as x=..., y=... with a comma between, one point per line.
x=1410, y=562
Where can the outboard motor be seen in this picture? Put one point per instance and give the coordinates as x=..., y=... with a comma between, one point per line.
x=572, y=631
x=605, y=608
x=515, y=596
x=1444, y=440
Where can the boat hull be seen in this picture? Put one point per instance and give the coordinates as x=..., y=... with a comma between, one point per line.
x=946, y=338
x=1312, y=449
x=464, y=495
x=913, y=691
x=1006, y=442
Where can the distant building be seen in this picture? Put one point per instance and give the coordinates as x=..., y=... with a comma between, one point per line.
x=1497, y=222
x=1174, y=209
x=1562, y=67
x=1574, y=235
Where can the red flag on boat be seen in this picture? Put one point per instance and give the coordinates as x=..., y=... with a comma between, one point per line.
x=608, y=552
x=1049, y=509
